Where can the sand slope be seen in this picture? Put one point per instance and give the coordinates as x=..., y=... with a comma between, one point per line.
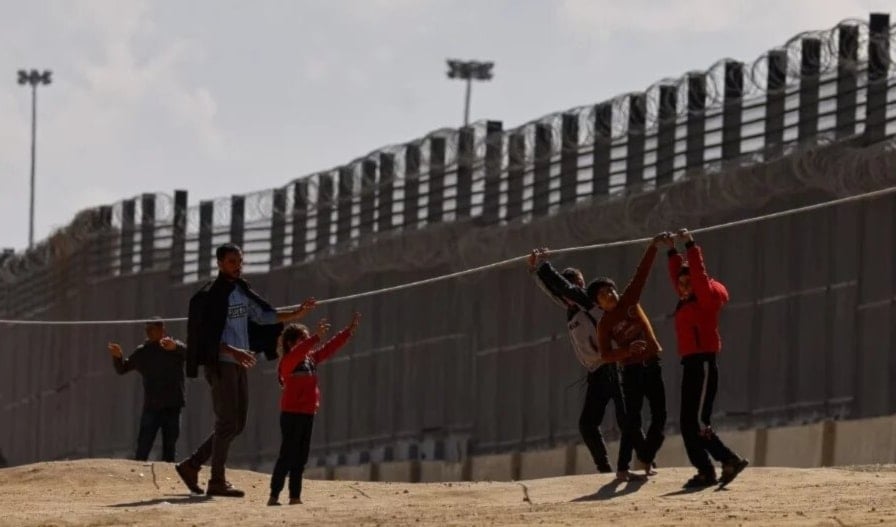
x=119, y=492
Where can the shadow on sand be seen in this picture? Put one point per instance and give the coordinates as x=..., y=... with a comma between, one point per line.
x=173, y=499
x=611, y=490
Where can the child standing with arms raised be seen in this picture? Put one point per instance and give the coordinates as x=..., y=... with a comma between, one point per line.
x=625, y=334
x=300, y=399
x=700, y=301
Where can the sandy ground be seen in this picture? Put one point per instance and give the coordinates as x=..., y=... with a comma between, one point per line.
x=118, y=492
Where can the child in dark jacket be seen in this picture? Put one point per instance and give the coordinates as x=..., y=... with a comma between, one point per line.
x=300, y=399
x=567, y=289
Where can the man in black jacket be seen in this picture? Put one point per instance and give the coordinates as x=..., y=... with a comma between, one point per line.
x=228, y=323
x=160, y=362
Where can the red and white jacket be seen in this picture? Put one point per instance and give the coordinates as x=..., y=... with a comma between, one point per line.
x=697, y=317
x=297, y=372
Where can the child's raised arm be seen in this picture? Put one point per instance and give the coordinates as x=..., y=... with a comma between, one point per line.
x=339, y=339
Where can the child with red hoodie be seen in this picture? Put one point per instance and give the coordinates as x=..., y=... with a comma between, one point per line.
x=701, y=299
x=300, y=399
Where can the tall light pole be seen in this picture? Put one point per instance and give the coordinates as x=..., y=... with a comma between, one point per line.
x=33, y=78
x=468, y=71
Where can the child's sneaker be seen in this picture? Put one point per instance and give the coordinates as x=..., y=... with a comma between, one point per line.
x=701, y=480
x=625, y=475
x=731, y=470
x=648, y=468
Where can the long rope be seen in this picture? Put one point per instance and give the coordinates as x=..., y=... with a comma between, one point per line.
x=503, y=263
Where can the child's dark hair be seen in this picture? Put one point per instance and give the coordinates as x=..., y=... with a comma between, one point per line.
x=572, y=275
x=291, y=335
x=597, y=284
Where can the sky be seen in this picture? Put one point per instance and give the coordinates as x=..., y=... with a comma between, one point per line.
x=219, y=97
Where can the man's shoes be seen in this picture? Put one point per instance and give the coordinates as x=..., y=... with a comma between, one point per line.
x=700, y=481
x=223, y=489
x=295, y=501
x=189, y=475
x=731, y=470
x=272, y=502
x=604, y=469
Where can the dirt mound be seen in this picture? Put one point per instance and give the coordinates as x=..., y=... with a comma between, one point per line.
x=119, y=492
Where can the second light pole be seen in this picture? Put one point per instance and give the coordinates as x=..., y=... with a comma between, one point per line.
x=34, y=79
x=469, y=70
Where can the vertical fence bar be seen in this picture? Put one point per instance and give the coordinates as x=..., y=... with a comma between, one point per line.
x=665, y=137
x=569, y=158
x=637, y=118
x=386, y=190
x=465, y=158
x=345, y=203
x=368, y=196
x=776, y=87
x=542, y=166
x=147, y=231
x=278, y=228
x=204, y=252
x=516, y=168
x=238, y=220
x=603, y=139
x=128, y=209
x=299, y=221
x=810, y=67
x=491, y=201
x=106, y=264
x=878, y=67
x=178, y=237
x=695, y=146
x=436, y=206
x=411, y=186
x=732, y=111
x=847, y=79
x=324, y=211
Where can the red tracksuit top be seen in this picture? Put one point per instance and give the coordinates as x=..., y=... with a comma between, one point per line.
x=298, y=373
x=697, y=318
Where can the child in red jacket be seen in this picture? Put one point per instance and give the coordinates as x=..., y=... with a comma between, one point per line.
x=701, y=299
x=300, y=399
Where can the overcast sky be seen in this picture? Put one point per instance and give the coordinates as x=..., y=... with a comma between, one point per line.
x=220, y=97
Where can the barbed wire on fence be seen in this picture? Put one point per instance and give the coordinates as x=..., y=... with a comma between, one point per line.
x=594, y=124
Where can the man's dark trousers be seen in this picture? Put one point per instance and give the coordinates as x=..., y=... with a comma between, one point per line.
x=168, y=419
x=230, y=399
